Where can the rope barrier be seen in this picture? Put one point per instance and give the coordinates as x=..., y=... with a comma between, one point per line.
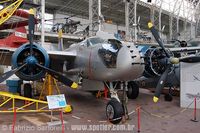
x=167, y=116
x=140, y=109
x=133, y=112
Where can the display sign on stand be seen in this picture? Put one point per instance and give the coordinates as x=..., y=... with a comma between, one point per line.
x=56, y=102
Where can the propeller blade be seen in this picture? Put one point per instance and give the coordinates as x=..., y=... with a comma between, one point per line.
x=59, y=77
x=31, y=28
x=157, y=37
x=138, y=28
x=163, y=28
x=160, y=84
x=138, y=21
x=6, y=75
x=190, y=59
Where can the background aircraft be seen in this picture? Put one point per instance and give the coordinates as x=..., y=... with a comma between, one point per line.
x=161, y=65
x=155, y=65
x=16, y=39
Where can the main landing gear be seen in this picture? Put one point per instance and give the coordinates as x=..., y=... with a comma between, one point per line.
x=133, y=90
x=116, y=108
x=169, y=97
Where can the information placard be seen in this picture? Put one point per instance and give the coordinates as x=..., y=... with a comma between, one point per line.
x=56, y=101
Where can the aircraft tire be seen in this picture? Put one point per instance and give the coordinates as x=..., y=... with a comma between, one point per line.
x=133, y=90
x=168, y=97
x=27, y=90
x=114, y=111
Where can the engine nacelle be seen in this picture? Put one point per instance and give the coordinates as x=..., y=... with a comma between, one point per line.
x=155, y=62
x=28, y=72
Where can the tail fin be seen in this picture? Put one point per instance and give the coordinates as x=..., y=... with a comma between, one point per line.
x=17, y=38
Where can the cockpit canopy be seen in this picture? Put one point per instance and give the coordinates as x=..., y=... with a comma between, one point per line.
x=97, y=40
x=92, y=41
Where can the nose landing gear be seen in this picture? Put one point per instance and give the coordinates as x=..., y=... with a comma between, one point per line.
x=116, y=108
x=114, y=111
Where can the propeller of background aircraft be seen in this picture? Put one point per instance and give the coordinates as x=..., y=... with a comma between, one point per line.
x=32, y=64
x=171, y=61
x=137, y=24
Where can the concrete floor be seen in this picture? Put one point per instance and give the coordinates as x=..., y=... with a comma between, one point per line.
x=89, y=113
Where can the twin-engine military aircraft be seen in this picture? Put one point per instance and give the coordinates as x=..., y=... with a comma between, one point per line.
x=95, y=60
x=99, y=60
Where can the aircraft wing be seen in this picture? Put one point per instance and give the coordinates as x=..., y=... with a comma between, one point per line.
x=184, y=49
x=57, y=58
x=62, y=55
x=154, y=44
x=5, y=56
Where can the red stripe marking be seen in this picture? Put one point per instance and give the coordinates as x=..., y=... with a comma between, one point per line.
x=89, y=65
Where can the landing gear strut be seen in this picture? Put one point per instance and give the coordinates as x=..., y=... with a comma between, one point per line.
x=116, y=108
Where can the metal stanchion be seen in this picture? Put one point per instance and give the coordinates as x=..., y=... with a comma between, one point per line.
x=138, y=111
x=61, y=118
x=14, y=120
x=195, y=110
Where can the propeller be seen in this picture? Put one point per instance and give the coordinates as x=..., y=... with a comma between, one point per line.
x=137, y=24
x=190, y=59
x=6, y=75
x=157, y=37
x=31, y=28
x=31, y=61
x=161, y=84
x=163, y=28
x=59, y=76
x=171, y=61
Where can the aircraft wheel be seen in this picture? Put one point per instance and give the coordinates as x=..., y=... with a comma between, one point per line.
x=168, y=97
x=133, y=90
x=114, y=111
x=27, y=90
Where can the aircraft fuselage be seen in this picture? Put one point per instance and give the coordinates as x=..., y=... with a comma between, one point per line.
x=108, y=61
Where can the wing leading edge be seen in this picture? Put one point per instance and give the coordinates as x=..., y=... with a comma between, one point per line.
x=57, y=58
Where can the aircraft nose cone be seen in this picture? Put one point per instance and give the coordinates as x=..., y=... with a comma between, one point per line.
x=130, y=62
x=31, y=60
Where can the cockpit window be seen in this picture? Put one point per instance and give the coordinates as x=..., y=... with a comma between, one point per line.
x=115, y=43
x=109, y=51
x=94, y=41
